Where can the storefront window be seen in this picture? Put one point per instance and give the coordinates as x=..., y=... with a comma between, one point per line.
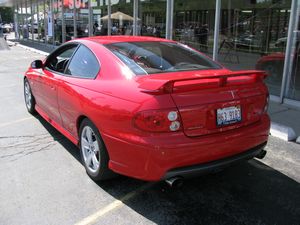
x=293, y=83
x=21, y=20
x=253, y=35
x=57, y=17
x=32, y=23
x=82, y=18
x=121, y=17
x=152, y=18
x=194, y=23
x=99, y=17
x=40, y=21
x=67, y=26
x=49, y=22
x=25, y=28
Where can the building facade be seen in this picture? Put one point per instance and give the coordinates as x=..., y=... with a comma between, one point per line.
x=240, y=34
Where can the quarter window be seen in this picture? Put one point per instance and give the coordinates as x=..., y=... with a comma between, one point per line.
x=59, y=59
x=83, y=64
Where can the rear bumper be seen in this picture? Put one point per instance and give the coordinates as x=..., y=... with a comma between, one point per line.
x=214, y=166
x=158, y=157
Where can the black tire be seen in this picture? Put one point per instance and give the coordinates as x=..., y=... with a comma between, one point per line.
x=102, y=172
x=29, y=98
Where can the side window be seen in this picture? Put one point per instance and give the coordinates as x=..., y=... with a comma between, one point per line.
x=83, y=64
x=59, y=59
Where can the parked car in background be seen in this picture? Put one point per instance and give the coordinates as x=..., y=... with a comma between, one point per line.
x=247, y=40
x=273, y=65
x=149, y=108
x=281, y=42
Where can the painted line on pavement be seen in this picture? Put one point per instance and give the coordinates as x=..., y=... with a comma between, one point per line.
x=112, y=206
x=16, y=121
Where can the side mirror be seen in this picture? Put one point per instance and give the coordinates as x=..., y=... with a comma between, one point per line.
x=37, y=64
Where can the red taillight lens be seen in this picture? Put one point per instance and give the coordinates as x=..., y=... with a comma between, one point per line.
x=158, y=120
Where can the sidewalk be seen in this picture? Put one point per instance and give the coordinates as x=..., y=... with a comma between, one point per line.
x=285, y=120
x=3, y=44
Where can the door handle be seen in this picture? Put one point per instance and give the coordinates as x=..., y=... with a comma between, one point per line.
x=52, y=88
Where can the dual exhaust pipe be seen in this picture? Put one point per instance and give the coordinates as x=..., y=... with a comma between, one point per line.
x=176, y=182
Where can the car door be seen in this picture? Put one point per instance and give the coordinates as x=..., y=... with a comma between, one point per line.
x=73, y=89
x=49, y=80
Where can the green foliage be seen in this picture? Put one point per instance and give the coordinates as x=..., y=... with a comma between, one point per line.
x=7, y=14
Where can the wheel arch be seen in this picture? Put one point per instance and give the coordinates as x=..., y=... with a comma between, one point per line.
x=79, y=121
x=78, y=124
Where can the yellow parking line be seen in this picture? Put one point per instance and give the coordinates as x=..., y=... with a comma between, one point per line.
x=15, y=121
x=110, y=207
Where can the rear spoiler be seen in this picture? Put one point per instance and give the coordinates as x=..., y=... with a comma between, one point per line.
x=153, y=85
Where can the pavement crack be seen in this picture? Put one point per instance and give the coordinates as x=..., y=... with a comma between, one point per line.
x=27, y=151
x=16, y=147
x=44, y=148
x=22, y=136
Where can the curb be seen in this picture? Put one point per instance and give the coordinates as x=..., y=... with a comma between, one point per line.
x=283, y=132
x=28, y=48
x=33, y=50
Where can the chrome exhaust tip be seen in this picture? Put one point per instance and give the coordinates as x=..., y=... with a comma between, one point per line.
x=175, y=182
x=261, y=155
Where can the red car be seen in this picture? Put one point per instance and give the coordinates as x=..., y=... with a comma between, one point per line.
x=149, y=108
x=273, y=65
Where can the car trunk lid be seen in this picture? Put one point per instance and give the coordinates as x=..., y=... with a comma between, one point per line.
x=211, y=102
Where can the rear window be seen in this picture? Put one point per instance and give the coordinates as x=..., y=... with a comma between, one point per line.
x=160, y=57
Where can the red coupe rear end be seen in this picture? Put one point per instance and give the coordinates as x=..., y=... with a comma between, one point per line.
x=151, y=109
x=217, y=119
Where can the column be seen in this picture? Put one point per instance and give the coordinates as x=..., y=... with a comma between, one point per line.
x=90, y=18
x=169, y=19
x=26, y=31
x=74, y=20
x=32, y=20
x=109, y=18
x=217, y=28
x=63, y=24
x=135, y=17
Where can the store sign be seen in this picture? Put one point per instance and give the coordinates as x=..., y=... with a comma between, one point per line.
x=79, y=4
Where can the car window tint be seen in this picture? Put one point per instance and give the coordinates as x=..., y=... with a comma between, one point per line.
x=59, y=59
x=160, y=57
x=83, y=64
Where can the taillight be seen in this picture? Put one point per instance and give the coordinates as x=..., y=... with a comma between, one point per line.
x=266, y=104
x=158, y=120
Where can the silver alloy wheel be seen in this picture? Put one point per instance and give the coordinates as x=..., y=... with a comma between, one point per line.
x=90, y=149
x=28, y=95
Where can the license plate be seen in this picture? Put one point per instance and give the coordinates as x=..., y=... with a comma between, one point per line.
x=229, y=115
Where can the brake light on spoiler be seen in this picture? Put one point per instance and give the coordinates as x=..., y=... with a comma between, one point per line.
x=181, y=82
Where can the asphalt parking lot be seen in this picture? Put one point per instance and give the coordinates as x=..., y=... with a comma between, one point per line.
x=43, y=182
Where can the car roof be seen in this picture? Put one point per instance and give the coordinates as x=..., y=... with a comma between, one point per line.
x=116, y=39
